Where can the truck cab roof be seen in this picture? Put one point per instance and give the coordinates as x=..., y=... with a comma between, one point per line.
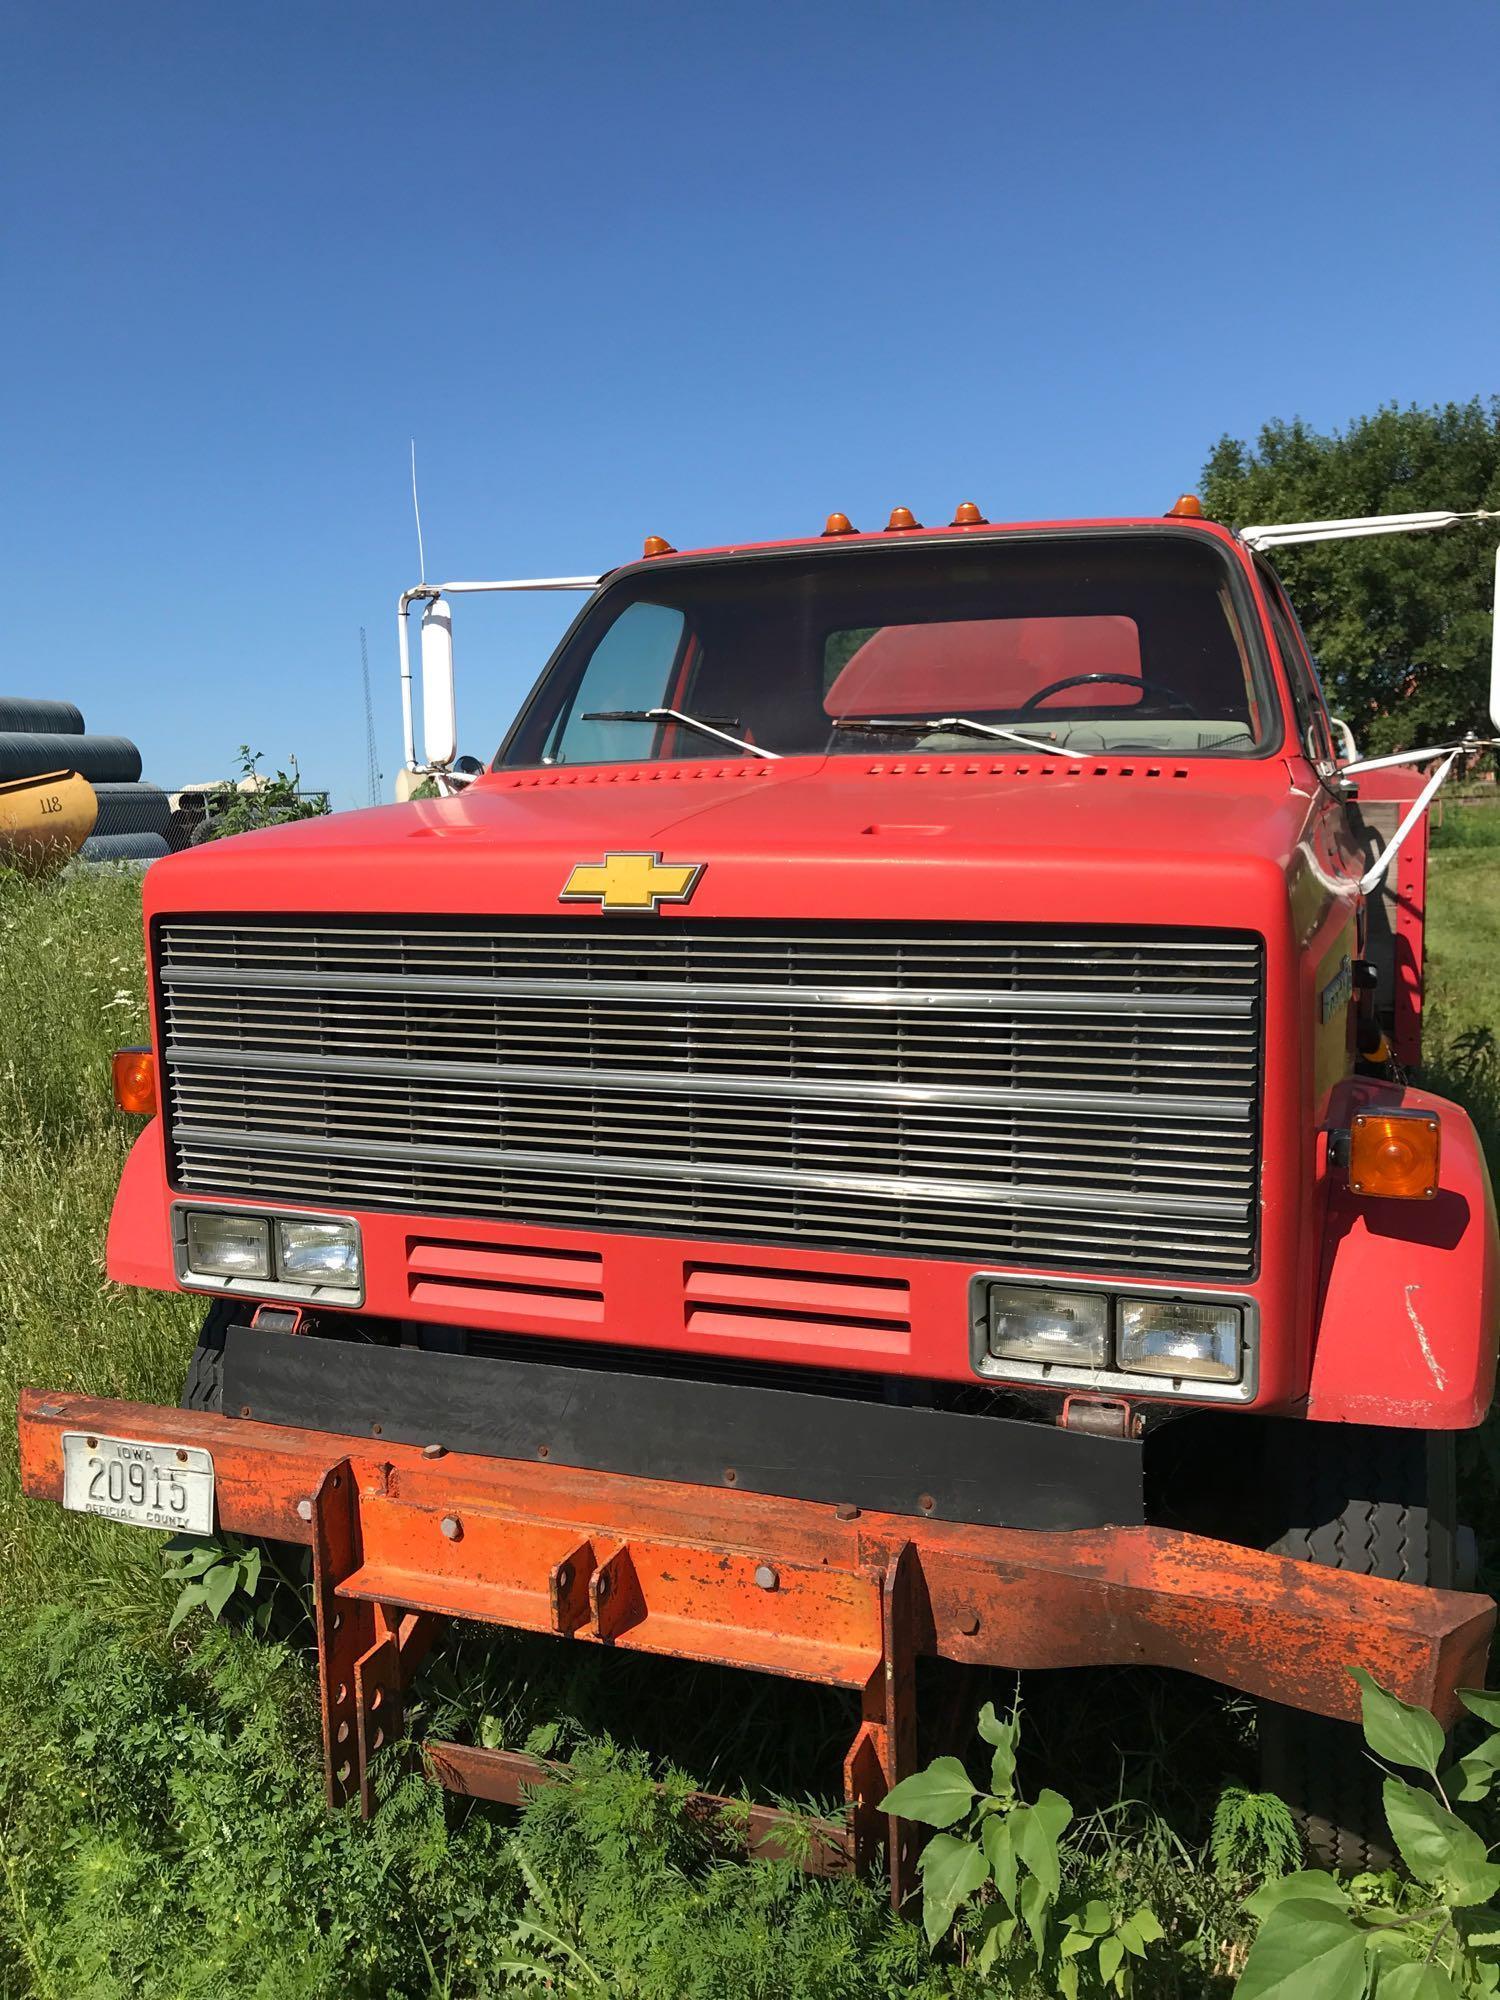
x=1144, y=636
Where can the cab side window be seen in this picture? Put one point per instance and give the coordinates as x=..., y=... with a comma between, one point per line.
x=632, y=668
x=1313, y=732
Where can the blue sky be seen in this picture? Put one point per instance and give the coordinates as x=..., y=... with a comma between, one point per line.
x=704, y=272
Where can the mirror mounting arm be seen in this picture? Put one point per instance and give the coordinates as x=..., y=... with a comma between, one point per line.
x=420, y=593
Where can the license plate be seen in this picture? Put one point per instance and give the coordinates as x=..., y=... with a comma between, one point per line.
x=149, y=1485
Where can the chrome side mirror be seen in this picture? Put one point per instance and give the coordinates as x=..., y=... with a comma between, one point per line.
x=439, y=710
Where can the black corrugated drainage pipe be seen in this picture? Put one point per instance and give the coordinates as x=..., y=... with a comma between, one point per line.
x=142, y=808
x=123, y=847
x=100, y=759
x=59, y=718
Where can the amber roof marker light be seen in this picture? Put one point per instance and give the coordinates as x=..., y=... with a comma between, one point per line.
x=656, y=546
x=1186, y=507
x=902, y=521
x=838, y=524
x=967, y=515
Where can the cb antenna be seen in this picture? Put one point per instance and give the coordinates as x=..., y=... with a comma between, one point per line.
x=417, y=511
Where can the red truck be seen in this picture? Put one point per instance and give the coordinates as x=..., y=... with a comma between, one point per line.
x=877, y=1127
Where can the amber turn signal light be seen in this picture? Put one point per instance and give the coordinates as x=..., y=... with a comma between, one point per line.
x=1187, y=506
x=134, y=1076
x=1394, y=1153
x=655, y=546
x=840, y=524
x=967, y=515
x=901, y=519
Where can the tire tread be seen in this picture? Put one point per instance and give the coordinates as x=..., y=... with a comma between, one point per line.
x=204, y=1387
x=1378, y=1503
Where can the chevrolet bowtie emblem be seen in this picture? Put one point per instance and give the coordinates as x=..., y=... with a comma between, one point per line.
x=631, y=882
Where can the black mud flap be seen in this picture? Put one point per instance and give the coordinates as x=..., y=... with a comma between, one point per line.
x=991, y=1470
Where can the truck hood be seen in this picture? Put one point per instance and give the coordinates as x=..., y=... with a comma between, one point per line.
x=1120, y=841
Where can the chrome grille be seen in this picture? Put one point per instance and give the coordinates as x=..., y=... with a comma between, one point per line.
x=1087, y=1099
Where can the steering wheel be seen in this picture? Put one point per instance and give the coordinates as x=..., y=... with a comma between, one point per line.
x=1170, y=695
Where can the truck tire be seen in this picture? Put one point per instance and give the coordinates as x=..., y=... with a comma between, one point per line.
x=204, y=1387
x=1382, y=1503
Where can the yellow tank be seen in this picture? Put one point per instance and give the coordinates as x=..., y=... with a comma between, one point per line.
x=44, y=820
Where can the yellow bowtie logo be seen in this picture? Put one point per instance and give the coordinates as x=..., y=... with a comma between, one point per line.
x=631, y=882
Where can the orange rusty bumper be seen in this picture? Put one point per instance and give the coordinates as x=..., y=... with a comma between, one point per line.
x=401, y=1537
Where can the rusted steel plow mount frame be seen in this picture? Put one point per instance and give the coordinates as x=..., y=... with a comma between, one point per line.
x=402, y=1537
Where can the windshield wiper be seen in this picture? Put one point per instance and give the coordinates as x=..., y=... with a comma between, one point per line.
x=687, y=721
x=910, y=725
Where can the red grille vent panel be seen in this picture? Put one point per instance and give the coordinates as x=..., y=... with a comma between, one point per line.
x=835, y=1309
x=529, y=1287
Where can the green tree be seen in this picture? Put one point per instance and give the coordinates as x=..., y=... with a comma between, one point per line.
x=1400, y=624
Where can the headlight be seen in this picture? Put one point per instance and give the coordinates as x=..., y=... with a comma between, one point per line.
x=221, y=1245
x=1070, y=1328
x=318, y=1253
x=1180, y=1337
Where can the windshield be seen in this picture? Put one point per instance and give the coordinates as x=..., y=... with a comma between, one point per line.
x=1086, y=643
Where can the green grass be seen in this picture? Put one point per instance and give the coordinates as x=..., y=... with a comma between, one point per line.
x=1463, y=1019
x=162, y=1826
x=1467, y=824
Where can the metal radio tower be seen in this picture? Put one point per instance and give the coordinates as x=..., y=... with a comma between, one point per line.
x=372, y=758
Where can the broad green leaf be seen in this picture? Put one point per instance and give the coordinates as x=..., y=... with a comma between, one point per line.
x=1145, y=1922
x=1000, y=1851
x=1003, y=1770
x=1470, y=1780
x=1389, y=1943
x=1054, y=1812
x=1305, y=1951
x=1067, y=1980
x=1308, y=1885
x=937, y=1796
x=1395, y=1730
x=952, y=1870
x=250, y=1570
x=991, y=1728
x=1003, y=1737
x=1111, y=1957
x=1471, y=1883
x=1415, y=1982
x=1096, y=1918
x=998, y=1929
x=195, y=1561
x=1483, y=1702
x=1034, y=1901
x=219, y=1586
x=491, y=1733
x=190, y=1598
x=1131, y=1938
x=1036, y=1844
x=1432, y=1841
x=1075, y=1942
x=1379, y=1913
